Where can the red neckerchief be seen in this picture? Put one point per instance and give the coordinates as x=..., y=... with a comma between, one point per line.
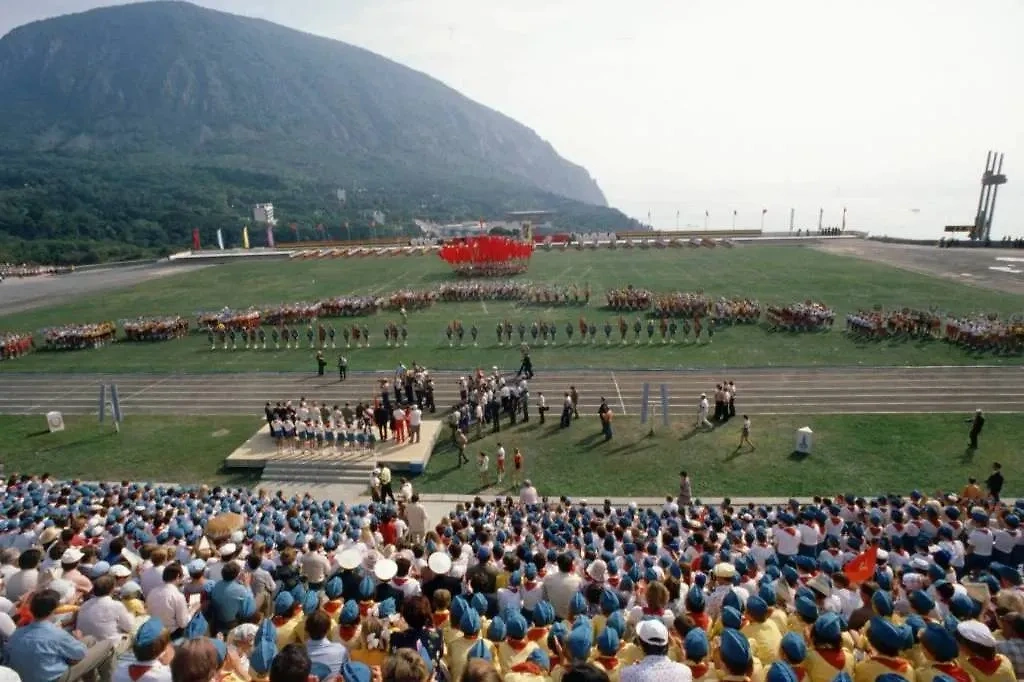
x=333, y=606
x=347, y=632
x=365, y=607
x=440, y=618
x=834, y=657
x=648, y=611
x=608, y=662
x=801, y=672
x=986, y=665
x=613, y=581
x=529, y=667
x=399, y=581
x=955, y=671
x=137, y=670
x=536, y=634
x=531, y=584
x=517, y=644
x=897, y=664
x=471, y=638
x=701, y=620
x=698, y=669
x=898, y=526
x=790, y=530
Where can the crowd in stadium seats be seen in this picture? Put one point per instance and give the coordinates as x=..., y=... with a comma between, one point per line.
x=140, y=583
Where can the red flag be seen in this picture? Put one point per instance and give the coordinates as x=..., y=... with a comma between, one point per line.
x=195, y=239
x=862, y=566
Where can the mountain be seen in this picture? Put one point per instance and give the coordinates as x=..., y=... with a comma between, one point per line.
x=135, y=123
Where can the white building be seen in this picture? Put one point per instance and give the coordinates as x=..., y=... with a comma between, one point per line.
x=263, y=214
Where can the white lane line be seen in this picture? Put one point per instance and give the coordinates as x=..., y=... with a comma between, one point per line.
x=622, y=403
x=147, y=388
x=483, y=304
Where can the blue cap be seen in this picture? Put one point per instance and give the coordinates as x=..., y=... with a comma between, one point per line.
x=731, y=618
x=320, y=671
x=885, y=636
x=881, y=603
x=921, y=601
x=806, y=608
x=577, y=604
x=539, y=658
x=608, y=642
x=333, y=588
x=469, y=624
x=149, y=632
x=355, y=672
x=479, y=603
x=543, y=614
x=696, y=644
x=794, y=647
x=221, y=647
x=780, y=671
x=349, y=613
x=197, y=627
x=735, y=649
x=496, y=631
x=579, y=643
x=283, y=603
x=263, y=652
x=196, y=566
x=695, y=600
x=732, y=599
x=366, y=588
x=480, y=649
x=828, y=629
x=757, y=607
x=609, y=600
x=960, y=606
x=310, y=602
x=386, y=608
x=940, y=642
x=617, y=622
x=516, y=626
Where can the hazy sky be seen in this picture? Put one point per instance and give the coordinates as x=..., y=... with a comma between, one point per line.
x=694, y=105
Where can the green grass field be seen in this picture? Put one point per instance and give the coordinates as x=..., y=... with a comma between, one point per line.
x=772, y=274
x=165, y=449
x=873, y=454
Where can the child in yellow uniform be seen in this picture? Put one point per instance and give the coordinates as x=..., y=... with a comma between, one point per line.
x=887, y=640
x=543, y=619
x=940, y=652
x=695, y=647
x=793, y=650
x=607, y=654
x=534, y=669
x=578, y=645
x=978, y=653
x=374, y=640
x=441, y=604
x=348, y=625
x=458, y=654
x=131, y=597
x=762, y=632
x=733, y=659
x=288, y=619
x=496, y=634
x=332, y=590
x=827, y=657
x=516, y=648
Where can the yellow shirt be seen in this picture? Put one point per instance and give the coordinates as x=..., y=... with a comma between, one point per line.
x=824, y=665
x=766, y=638
x=870, y=668
x=611, y=665
x=289, y=631
x=459, y=654
x=135, y=607
x=931, y=669
x=999, y=672
x=350, y=636
x=778, y=616
x=702, y=672
x=509, y=655
x=369, y=657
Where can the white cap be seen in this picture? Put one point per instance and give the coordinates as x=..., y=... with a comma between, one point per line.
x=652, y=632
x=977, y=632
x=71, y=555
x=237, y=537
x=130, y=587
x=385, y=570
x=227, y=549
x=598, y=570
x=725, y=570
x=440, y=563
x=120, y=571
x=349, y=558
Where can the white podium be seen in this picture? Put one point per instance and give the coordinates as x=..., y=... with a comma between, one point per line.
x=804, y=440
x=55, y=421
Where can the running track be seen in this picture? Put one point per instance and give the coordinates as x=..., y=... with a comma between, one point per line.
x=875, y=390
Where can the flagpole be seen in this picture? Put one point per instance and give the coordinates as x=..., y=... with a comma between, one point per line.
x=706, y=214
x=763, y=211
x=734, y=220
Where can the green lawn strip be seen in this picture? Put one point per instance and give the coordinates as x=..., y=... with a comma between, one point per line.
x=861, y=454
x=187, y=450
x=776, y=275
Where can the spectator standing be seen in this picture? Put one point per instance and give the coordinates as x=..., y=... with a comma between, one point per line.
x=685, y=490
x=386, y=490
x=417, y=518
x=702, y=413
x=994, y=482
x=167, y=603
x=559, y=587
x=415, y=421
x=977, y=423
x=483, y=462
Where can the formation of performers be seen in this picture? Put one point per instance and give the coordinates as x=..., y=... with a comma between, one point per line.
x=77, y=337
x=8, y=270
x=978, y=333
x=15, y=345
x=155, y=328
x=545, y=332
x=321, y=336
x=807, y=316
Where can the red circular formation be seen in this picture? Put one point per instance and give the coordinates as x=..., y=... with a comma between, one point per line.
x=487, y=256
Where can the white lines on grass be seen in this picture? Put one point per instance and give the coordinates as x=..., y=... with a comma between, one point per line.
x=483, y=304
x=622, y=403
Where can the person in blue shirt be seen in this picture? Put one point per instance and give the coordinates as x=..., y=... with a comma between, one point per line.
x=230, y=600
x=319, y=648
x=43, y=652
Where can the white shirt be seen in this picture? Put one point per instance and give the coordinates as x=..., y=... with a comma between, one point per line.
x=104, y=618
x=542, y=401
x=151, y=578
x=808, y=534
x=787, y=541
x=415, y=417
x=158, y=672
x=703, y=407
x=21, y=583
x=507, y=598
x=528, y=495
x=167, y=603
x=981, y=541
x=656, y=669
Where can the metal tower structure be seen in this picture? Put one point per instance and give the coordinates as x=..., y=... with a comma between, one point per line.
x=991, y=179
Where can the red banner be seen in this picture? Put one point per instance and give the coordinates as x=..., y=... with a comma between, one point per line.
x=195, y=239
x=487, y=255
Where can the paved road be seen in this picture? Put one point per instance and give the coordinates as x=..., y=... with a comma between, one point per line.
x=760, y=391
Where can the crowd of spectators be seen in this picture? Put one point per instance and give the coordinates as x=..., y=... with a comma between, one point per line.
x=141, y=583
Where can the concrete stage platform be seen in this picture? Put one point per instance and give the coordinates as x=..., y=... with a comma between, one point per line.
x=260, y=450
